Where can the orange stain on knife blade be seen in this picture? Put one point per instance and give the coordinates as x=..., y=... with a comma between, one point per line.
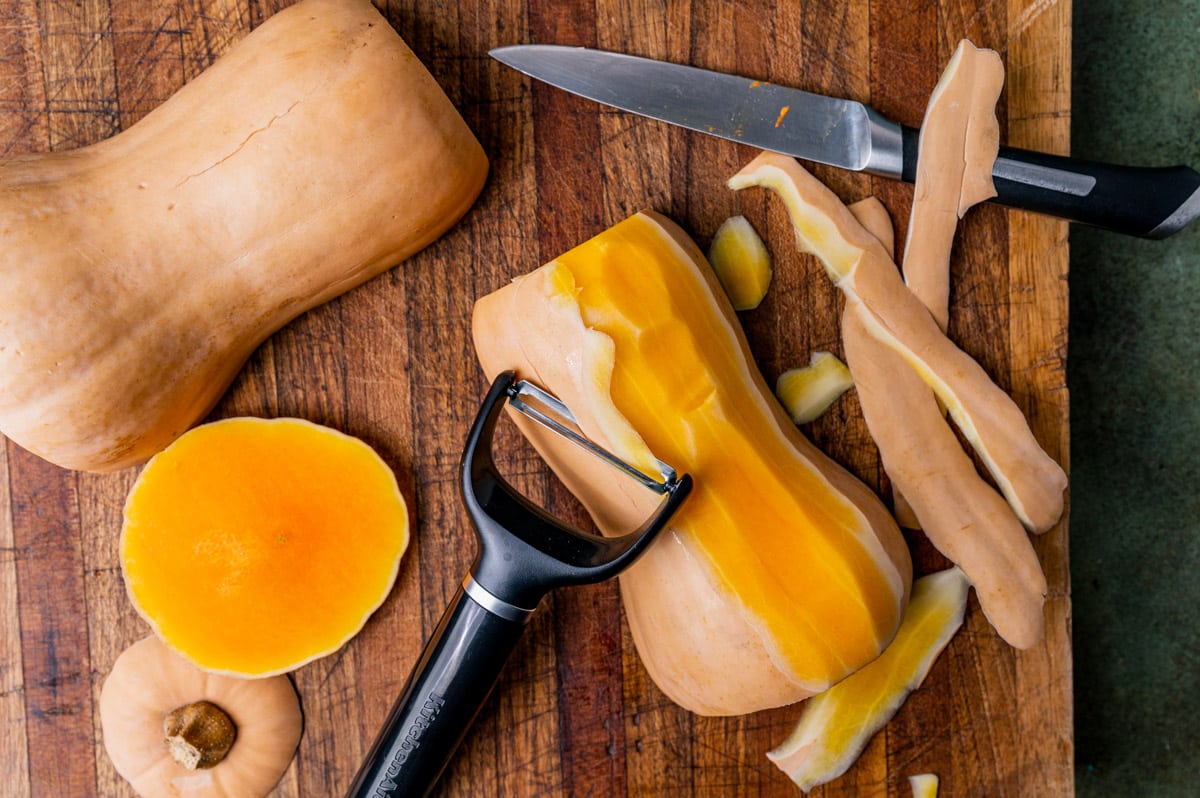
x=782, y=113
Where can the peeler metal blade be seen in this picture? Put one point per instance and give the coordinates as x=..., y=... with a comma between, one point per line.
x=550, y=411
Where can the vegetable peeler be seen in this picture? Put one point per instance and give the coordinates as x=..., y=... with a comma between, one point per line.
x=524, y=553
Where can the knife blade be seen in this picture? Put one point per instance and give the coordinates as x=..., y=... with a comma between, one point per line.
x=1151, y=202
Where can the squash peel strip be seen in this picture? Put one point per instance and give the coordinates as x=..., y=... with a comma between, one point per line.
x=836, y=725
x=963, y=517
x=1031, y=481
x=961, y=514
x=958, y=144
x=959, y=141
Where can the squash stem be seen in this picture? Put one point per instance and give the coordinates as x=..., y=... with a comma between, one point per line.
x=199, y=735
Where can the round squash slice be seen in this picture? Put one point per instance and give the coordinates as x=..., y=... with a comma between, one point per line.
x=254, y=546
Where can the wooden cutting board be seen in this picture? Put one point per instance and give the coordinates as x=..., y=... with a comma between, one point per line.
x=391, y=362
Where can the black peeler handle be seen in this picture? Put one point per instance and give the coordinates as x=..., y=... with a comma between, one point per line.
x=524, y=553
x=457, y=671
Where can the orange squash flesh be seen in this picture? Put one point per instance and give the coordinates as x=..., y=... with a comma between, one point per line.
x=816, y=568
x=255, y=546
x=663, y=329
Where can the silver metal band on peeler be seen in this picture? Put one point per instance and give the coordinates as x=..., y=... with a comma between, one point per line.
x=496, y=606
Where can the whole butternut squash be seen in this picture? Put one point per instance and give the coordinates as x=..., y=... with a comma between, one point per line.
x=138, y=274
x=782, y=573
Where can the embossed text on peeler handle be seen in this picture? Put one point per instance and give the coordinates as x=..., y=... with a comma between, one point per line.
x=457, y=671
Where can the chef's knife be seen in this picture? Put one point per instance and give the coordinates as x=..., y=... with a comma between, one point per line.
x=1152, y=202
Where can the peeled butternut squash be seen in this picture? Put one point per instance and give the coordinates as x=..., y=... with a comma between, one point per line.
x=138, y=274
x=782, y=573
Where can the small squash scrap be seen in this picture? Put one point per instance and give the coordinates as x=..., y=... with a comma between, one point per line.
x=174, y=731
x=924, y=785
x=782, y=573
x=138, y=274
x=741, y=261
x=808, y=391
x=254, y=546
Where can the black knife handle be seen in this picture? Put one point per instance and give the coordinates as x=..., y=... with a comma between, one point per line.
x=1150, y=202
x=457, y=671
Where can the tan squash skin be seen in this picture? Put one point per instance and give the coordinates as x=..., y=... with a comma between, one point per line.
x=149, y=680
x=963, y=516
x=1031, y=481
x=960, y=138
x=139, y=273
x=694, y=641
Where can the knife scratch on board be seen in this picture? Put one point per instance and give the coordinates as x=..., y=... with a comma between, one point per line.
x=1028, y=16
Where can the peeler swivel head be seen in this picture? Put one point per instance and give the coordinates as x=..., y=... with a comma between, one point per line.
x=524, y=552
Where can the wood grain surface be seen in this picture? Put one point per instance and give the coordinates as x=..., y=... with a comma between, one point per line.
x=575, y=713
